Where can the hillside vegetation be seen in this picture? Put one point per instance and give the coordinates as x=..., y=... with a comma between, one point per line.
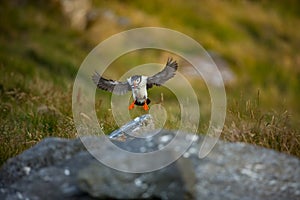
x=40, y=53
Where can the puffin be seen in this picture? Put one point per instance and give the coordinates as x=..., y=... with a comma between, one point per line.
x=137, y=84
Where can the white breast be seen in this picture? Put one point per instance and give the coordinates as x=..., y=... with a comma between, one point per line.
x=140, y=93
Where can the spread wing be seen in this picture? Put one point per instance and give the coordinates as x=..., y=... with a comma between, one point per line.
x=116, y=87
x=164, y=75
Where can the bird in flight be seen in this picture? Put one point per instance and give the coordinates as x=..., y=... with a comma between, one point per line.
x=137, y=84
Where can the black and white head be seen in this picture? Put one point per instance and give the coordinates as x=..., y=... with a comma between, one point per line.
x=135, y=81
x=138, y=84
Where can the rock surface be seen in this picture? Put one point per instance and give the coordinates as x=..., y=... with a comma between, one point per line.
x=135, y=128
x=77, y=11
x=63, y=169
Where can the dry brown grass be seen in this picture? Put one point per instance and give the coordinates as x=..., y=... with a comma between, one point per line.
x=247, y=122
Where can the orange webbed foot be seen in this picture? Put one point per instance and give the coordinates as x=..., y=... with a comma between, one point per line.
x=145, y=106
x=131, y=106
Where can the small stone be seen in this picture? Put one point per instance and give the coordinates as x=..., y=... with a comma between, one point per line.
x=67, y=172
x=186, y=155
x=27, y=170
x=138, y=182
x=165, y=138
x=145, y=195
x=192, y=137
x=160, y=146
x=19, y=195
x=193, y=150
x=272, y=182
x=150, y=144
x=143, y=149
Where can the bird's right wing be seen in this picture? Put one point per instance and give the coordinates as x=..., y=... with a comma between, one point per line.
x=164, y=75
x=115, y=87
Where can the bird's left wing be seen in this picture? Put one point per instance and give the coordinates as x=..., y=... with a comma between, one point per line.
x=164, y=75
x=115, y=87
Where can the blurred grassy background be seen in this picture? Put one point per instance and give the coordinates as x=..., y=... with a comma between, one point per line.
x=41, y=48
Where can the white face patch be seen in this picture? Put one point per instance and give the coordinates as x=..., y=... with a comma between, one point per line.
x=129, y=81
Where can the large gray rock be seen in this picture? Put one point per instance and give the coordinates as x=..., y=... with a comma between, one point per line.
x=77, y=175
x=168, y=183
x=63, y=169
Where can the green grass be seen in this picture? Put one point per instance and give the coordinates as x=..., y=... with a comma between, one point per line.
x=40, y=55
x=38, y=62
